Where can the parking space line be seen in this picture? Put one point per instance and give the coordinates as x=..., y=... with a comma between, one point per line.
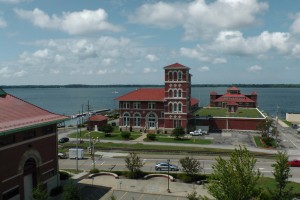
x=123, y=195
x=141, y=196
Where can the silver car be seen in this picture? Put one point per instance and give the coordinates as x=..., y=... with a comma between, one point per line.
x=164, y=166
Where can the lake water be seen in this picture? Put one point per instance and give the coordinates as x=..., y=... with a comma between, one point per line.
x=69, y=101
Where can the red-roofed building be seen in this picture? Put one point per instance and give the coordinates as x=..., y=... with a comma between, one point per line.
x=95, y=121
x=233, y=96
x=159, y=109
x=28, y=147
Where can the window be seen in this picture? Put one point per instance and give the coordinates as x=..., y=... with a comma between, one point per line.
x=170, y=107
x=175, y=107
x=175, y=93
x=179, y=107
x=170, y=93
x=136, y=105
x=151, y=105
x=180, y=93
x=152, y=121
x=137, y=119
x=162, y=115
x=179, y=76
x=126, y=119
x=177, y=123
x=126, y=105
x=170, y=76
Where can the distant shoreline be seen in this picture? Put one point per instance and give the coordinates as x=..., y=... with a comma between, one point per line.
x=149, y=85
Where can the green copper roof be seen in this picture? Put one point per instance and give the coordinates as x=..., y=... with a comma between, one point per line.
x=2, y=93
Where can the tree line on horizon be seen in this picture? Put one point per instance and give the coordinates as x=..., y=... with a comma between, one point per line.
x=152, y=85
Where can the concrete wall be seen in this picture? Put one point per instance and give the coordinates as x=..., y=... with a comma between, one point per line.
x=291, y=117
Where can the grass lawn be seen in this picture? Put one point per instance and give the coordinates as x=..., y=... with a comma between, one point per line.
x=261, y=144
x=223, y=112
x=101, y=135
x=168, y=139
x=288, y=123
x=270, y=183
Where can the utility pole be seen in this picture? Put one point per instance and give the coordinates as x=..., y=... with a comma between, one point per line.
x=276, y=134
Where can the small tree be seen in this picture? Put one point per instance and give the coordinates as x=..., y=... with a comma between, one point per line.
x=107, y=129
x=178, y=132
x=190, y=166
x=71, y=192
x=281, y=174
x=151, y=136
x=39, y=192
x=236, y=178
x=133, y=164
x=264, y=127
x=126, y=135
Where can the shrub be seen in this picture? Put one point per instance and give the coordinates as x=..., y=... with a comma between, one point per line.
x=64, y=175
x=151, y=136
x=130, y=128
x=126, y=135
x=113, y=124
x=94, y=171
x=56, y=191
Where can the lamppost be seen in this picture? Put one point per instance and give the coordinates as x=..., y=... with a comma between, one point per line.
x=168, y=190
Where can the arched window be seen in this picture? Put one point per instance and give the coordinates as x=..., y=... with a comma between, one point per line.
x=137, y=119
x=179, y=93
x=175, y=93
x=179, y=107
x=170, y=93
x=151, y=120
x=180, y=76
x=175, y=76
x=170, y=107
x=170, y=76
x=126, y=119
x=175, y=107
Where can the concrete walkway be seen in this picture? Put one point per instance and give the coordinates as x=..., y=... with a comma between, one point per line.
x=154, y=186
x=141, y=138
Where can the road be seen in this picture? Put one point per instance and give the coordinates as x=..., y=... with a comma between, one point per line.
x=107, y=162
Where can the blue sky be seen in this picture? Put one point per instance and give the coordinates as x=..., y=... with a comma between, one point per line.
x=130, y=41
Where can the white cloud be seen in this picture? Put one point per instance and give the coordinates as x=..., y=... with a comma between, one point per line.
x=151, y=57
x=295, y=27
x=199, y=18
x=233, y=42
x=202, y=54
x=254, y=68
x=85, y=21
x=2, y=23
x=203, y=69
x=148, y=70
x=296, y=50
x=9, y=72
x=13, y=1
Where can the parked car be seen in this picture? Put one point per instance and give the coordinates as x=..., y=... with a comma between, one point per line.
x=196, y=132
x=164, y=166
x=63, y=140
x=294, y=163
x=204, y=132
x=62, y=155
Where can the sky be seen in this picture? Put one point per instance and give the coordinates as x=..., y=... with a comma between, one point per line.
x=99, y=42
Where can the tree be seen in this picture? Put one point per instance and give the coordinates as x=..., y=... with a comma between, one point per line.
x=133, y=164
x=39, y=192
x=281, y=174
x=71, y=191
x=107, y=129
x=190, y=166
x=178, y=132
x=236, y=178
x=126, y=135
x=264, y=127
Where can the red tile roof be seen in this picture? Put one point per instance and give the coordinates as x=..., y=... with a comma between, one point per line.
x=176, y=65
x=97, y=118
x=194, y=101
x=234, y=97
x=16, y=113
x=144, y=94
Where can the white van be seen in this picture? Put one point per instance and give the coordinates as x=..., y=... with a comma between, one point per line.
x=76, y=153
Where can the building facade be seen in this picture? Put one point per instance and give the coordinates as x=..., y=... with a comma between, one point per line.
x=159, y=109
x=233, y=99
x=28, y=148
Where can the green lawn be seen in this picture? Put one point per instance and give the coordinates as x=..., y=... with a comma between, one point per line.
x=101, y=135
x=270, y=183
x=169, y=139
x=223, y=112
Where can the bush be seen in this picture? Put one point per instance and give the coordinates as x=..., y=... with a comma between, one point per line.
x=130, y=128
x=268, y=141
x=56, y=191
x=64, y=175
x=113, y=124
x=126, y=135
x=151, y=136
x=94, y=171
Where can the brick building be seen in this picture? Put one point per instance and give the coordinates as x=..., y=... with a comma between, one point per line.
x=28, y=147
x=159, y=109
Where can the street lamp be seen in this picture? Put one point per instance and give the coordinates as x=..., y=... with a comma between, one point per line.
x=168, y=190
